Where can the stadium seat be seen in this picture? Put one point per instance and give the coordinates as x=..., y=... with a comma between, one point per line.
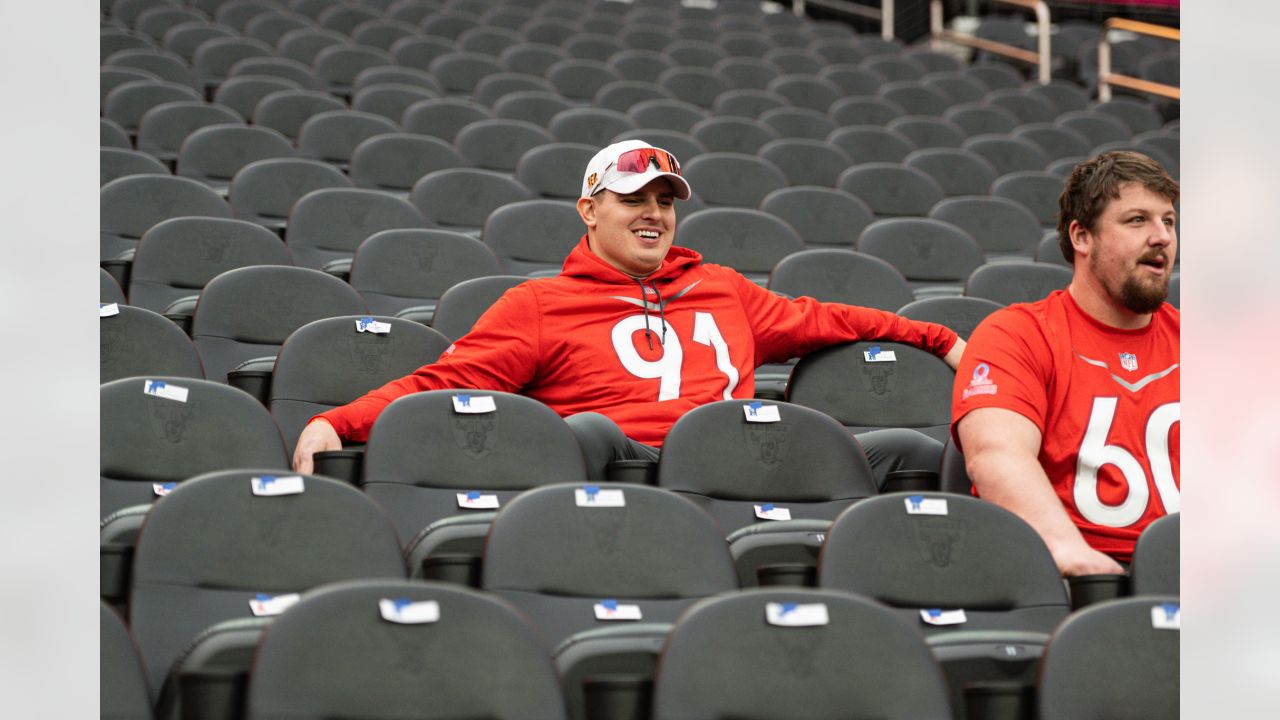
x=589, y=125
x=382, y=33
x=961, y=314
x=978, y=118
x=853, y=80
x=122, y=685
x=956, y=171
x=994, y=75
x=747, y=73
x=778, y=653
x=1048, y=251
x=821, y=216
x=215, y=153
x=927, y=132
x=264, y=191
x=1118, y=659
x=114, y=40
x=498, y=144
x=128, y=102
x=1064, y=95
x=238, y=13
x=749, y=241
x=449, y=24
x=420, y=51
x=1056, y=141
x=389, y=100
x=911, y=390
x=552, y=170
x=256, y=551
x=579, y=80
x=532, y=106
x=547, y=31
x=288, y=110
x=807, y=162
x=1027, y=107
x=620, y=95
x=956, y=86
x=185, y=38
x=402, y=270
x=214, y=57
x=488, y=40
x=1098, y=127
x=150, y=437
x=118, y=162
x=890, y=189
x=698, y=86
x=673, y=115
x=246, y=313
x=131, y=205
x=337, y=65
x=328, y=225
x=748, y=104
x=744, y=472
x=461, y=305
x=915, y=97
x=496, y=86
x=977, y=581
x=571, y=568
x=109, y=78
x=277, y=67
x=332, y=135
x=424, y=458
x=1138, y=115
x=1155, y=566
x=109, y=289
x=271, y=26
x=331, y=362
x=532, y=237
x=395, y=75
x=135, y=342
x=443, y=117
x=1034, y=190
x=640, y=65
x=798, y=123
x=732, y=134
x=1007, y=154
x=242, y=93
x=360, y=634
x=733, y=179
x=1015, y=282
x=1062, y=168
x=393, y=162
x=176, y=258
x=806, y=91
x=1001, y=227
x=461, y=198
x=166, y=65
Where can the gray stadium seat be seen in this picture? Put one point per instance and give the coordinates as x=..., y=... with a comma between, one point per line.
x=460, y=72
x=338, y=65
x=455, y=658
x=1007, y=154
x=956, y=171
x=118, y=162
x=915, y=97
x=166, y=65
x=640, y=65
x=1016, y=282
x=109, y=288
x=553, y=170
x=1155, y=566
x=494, y=87
x=215, y=153
x=1056, y=141
x=131, y=205
x=956, y=86
x=443, y=117
x=533, y=106
x=807, y=162
x=488, y=40
x=122, y=686
x=749, y=241
x=151, y=439
x=821, y=216
x=927, y=132
x=747, y=73
x=620, y=95
x=137, y=342
x=1112, y=660
x=935, y=256
x=248, y=312
x=214, y=57
x=1098, y=127
x=1028, y=108
x=287, y=110
x=382, y=33
x=264, y=191
x=111, y=77
x=1063, y=94
x=853, y=80
x=890, y=189
x=978, y=118
x=393, y=162
x=732, y=134
x=242, y=93
x=1139, y=115
x=748, y=104
x=532, y=236
x=272, y=25
x=419, y=52
x=994, y=75
x=330, y=362
x=399, y=270
x=871, y=144
x=251, y=545
x=676, y=115
x=1000, y=226
x=398, y=75
x=333, y=135
x=389, y=100
x=176, y=258
x=329, y=224
x=695, y=85
x=1048, y=251
x=806, y=91
x=793, y=122
x=723, y=659
x=128, y=102
x=461, y=198
x=589, y=125
x=461, y=305
x=579, y=80
x=1036, y=191
x=859, y=110
x=961, y=314
x=498, y=144
x=895, y=67
x=733, y=179
x=843, y=276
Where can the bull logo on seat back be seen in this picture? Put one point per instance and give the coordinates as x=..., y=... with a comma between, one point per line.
x=768, y=442
x=475, y=433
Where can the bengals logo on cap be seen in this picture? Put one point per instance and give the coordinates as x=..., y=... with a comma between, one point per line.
x=591, y=181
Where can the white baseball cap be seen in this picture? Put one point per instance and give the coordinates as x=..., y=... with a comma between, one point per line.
x=616, y=168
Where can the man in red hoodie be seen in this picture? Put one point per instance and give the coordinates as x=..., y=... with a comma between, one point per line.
x=634, y=333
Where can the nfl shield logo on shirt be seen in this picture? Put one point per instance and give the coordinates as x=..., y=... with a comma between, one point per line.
x=1129, y=361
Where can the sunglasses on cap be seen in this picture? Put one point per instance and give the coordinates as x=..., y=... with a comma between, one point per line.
x=641, y=159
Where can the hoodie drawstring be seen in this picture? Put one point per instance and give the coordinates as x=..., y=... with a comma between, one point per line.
x=662, y=313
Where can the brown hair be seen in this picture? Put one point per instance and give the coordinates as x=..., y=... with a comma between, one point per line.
x=1096, y=182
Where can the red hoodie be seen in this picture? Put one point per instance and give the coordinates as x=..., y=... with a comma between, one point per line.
x=585, y=341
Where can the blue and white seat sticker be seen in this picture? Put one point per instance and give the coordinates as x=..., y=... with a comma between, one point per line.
x=408, y=612
x=789, y=614
x=769, y=511
x=273, y=485
x=1166, y=616
x=465, y=404
x=921, y=505
x=263, y=605
x=369, y=325
x=162, y=389
x=474, y=500
x=938, y=616
x=108, y=309
x=760, y=413
x=162, y=489
x=596, y=497
x=875, y=354
x=614, y=610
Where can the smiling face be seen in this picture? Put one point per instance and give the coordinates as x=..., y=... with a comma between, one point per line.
x=631, y=231
x=1129, y=251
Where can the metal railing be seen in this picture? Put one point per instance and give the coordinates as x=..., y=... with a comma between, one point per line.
x=884, y=14
x=1106, y=78
x=1041, y=58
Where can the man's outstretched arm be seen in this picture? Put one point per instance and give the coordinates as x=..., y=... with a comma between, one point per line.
x=317, y=436
x=1000, y=450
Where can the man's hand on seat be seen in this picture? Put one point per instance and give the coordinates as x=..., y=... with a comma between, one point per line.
x=317, y=436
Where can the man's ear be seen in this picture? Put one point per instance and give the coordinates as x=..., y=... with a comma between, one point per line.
x=1081, y=238
x=587, y=211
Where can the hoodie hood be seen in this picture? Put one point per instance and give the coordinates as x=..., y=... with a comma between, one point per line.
x=582, y=263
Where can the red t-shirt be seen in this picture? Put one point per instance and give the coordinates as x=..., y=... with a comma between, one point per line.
x=577, y=342
x=1106, y=402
